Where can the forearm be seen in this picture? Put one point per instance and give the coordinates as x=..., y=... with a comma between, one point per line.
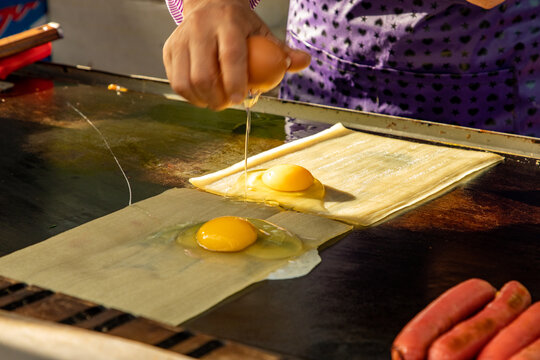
x=486, y=4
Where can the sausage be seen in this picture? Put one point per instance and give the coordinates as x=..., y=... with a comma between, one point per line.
x=454, y=305
x=520, y=333
x=466, y=339
x=531, y=352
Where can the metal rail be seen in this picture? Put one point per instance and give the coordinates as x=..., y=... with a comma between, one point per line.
x=375, y=123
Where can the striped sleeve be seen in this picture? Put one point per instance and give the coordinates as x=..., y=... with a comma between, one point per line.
x=176, y=8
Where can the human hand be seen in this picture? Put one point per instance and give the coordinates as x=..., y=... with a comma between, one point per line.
x=206, y=56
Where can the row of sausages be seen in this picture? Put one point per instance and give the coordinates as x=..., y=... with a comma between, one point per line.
x=473, y=320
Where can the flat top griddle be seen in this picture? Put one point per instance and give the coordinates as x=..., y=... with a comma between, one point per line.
x=55, y=174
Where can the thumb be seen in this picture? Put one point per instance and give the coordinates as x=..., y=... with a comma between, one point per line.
x=299, y=59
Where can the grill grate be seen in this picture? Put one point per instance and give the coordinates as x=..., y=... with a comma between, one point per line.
x=83, y=315
x=32, y=298
x=205, y=349
x=40, y=303
x=174, y=339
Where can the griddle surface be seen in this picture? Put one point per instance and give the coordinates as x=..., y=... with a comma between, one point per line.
x=55, y=174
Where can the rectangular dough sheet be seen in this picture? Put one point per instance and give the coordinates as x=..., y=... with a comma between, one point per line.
x=115, y=260
x=367, y=177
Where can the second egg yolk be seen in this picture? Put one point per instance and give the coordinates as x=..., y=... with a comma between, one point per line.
x=287, y=178
x=226, y=234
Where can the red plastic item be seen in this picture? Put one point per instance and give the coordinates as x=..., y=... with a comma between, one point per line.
x=27, y=57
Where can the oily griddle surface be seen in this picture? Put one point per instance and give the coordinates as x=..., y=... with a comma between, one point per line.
x=373, y=281
x=56, y=174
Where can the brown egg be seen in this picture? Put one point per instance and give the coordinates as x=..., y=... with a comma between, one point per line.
x=267, y=64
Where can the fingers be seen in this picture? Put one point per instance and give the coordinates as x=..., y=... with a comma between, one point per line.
x=178, y=76
x=205, y=72
x=233, y=63
x=193, y=70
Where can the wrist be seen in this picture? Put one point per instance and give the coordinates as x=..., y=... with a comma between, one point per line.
x=190, y=5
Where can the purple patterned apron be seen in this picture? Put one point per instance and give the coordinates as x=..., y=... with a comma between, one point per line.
x=438, y=60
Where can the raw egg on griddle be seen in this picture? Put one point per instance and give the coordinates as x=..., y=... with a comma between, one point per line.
x=233, y=234
x=287, y=178
x=291, y=186
x=227, y=234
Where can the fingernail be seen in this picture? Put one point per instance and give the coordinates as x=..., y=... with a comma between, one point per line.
x=237, y=98
x=288, y=61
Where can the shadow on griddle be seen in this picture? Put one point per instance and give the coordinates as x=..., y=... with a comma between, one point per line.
x=337, y=195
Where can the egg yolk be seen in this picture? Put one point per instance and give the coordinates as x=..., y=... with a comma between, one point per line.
x=272, y=242
x=289, y=186
x=226, y=234
x=267, y=64
x=287, y=178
